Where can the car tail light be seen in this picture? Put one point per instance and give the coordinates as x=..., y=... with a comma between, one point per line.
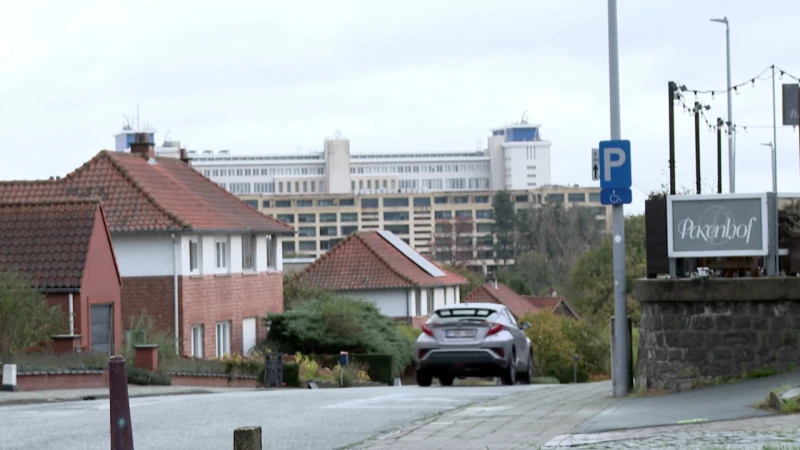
x=422, y=353
x=427, y=330
x=499, y=352
x=495, y=328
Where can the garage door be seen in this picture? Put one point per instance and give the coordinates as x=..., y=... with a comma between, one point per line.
x=248, y=334
x=101, y=328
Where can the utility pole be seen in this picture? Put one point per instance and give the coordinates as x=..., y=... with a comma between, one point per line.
x=697, y=146
x=719, y=155
x=672, y=88
x=621, y=345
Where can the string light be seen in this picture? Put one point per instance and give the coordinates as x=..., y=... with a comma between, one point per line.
x=765, y=74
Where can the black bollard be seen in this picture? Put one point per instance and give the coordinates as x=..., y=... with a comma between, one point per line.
x=120, y=408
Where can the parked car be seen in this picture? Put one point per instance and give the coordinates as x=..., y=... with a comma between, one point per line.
x=475, y=340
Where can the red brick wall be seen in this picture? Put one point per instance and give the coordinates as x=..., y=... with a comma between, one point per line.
x=210, y=299
x=61, y=381
x=155, y=294
x=221, y=382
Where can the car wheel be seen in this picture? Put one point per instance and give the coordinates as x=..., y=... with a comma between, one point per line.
x=424, y=379
x=510, y=377
x=446, y=381
x=527, y=376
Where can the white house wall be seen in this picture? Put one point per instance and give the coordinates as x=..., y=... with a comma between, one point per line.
x=438, y=297
x=391, y=302
x=144, y=255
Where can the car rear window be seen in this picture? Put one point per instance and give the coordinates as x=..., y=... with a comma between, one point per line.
x=458, y=314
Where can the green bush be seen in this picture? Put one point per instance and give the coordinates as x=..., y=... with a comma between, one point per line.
x=146, y=378
x=380, y=368
x=545, y=380
x=557, y=339
x=194, y=366
x=329, y=324
x=141, y=331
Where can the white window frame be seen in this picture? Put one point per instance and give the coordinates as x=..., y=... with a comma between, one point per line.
x=197, y=347
x=223, y=339
x=249, y=252
x=221, y=253
x=196, y=262
x=272, y=253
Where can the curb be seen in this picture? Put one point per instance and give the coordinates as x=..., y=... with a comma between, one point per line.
x=36, y=401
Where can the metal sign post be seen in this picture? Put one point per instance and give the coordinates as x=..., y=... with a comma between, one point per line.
x=621, y=338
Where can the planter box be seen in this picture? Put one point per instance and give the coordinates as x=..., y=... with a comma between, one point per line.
x=61, y=379
x=211, y=380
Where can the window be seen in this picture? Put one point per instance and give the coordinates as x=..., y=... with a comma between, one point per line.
x=307, y=231
x=397, y=229
x=327, y=217
x=555, y=198
x=327, y=202
x=576, y=197
x=308, y=246
x=327, y=231
x=443, y=214
x=594, y=197
x=265, y=204
x=481, y=199
x=197, y=341
x=288, y=218
x=249, y=252
x=349, y=229
x=430, y=298
x=440, y=200
x=194, y=256
x=461, y=200
x=223, y=339
x=306, y=218
x=283, y=203
x=484, y=227
x=395, y=202
x=305, y=203
x=395, y=215
x=240, y=188
x=272, y=253
x=349, y=217
x=253, y=203
x=347, y=202
x=521, y=198
x=221, y=253
x=369, y=202
x=483, y=214
x=422, y=201
x=287, y=247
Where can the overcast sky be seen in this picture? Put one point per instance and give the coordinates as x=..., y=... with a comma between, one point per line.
x=427, y=75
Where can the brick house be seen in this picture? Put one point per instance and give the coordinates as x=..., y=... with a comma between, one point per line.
x=202, y=263
x=64, y=248
x=379, y=267
x=519, y=305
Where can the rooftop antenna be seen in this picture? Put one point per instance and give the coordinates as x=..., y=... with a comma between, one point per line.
x=479, y=145
x=137, y=117
x=338, y=134
x=166, y=136
x=524, y=117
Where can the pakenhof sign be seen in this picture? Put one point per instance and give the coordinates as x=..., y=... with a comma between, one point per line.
x=717, y=225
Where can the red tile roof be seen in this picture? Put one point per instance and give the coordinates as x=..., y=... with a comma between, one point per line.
x=365, y=260
x=503, y=295
x=138, y=196
x=551, y=303
x=47, y=242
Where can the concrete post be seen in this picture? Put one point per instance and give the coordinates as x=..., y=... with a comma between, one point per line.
x=120, y=408
x=9, y=378
x=247, y=438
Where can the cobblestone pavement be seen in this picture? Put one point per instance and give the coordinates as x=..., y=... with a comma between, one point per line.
x=735, y=434
x=523, y=419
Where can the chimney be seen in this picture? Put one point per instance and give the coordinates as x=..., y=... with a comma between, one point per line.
x=185, y=156
x=141, y=145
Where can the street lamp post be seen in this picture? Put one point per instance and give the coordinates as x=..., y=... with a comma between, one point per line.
x=774, y=166
x=731, y=155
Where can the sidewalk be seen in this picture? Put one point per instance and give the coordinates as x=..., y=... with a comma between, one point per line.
x=525, y=419
x=69, y=395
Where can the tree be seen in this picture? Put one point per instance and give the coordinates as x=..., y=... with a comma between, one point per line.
x=475, y=280
x=532, y=273
x=26, y=319
x=296, y=291
x=504, y=225
x=453, y=242
x=593, y=274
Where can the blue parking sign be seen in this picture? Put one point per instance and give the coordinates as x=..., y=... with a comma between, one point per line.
x=616, y=196
x=615, y=164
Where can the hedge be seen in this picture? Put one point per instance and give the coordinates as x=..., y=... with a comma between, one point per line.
x=380, y=366
x=146, y=378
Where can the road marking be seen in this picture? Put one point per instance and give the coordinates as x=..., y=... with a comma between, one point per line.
x=681, y=422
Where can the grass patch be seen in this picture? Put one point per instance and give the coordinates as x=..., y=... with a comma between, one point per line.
x=545, y=380
x=762, y=373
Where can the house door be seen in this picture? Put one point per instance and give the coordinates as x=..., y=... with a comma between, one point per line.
x=102, y=334
x=248, y=334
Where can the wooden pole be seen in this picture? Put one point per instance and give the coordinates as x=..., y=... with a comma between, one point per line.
x=247, y=438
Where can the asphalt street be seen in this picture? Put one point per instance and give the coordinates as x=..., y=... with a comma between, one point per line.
x=725, y=402
x=291, y=419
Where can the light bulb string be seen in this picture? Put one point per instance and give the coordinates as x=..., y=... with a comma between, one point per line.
x=765, y=74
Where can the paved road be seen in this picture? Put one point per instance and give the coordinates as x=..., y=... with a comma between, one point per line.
x=292, y=419
x=725, y=402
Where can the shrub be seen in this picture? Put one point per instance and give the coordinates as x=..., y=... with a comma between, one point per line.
x=142, y=331
x=410, y=332
x=291, y=374
x=194, y=366
x=545, y=380
x=330, y=324
x=237, y=365
x=380, y=368
x=146, y=378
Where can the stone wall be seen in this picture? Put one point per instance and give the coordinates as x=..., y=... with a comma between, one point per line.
x=695, y=331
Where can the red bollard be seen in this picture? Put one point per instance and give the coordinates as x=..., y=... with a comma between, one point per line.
x=120, y=408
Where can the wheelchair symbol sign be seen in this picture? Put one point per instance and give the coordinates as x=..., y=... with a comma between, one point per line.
x=616, y=196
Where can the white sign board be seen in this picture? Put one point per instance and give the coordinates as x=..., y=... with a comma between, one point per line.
x=595, y=164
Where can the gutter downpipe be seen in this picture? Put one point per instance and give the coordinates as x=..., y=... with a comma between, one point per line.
x=175, y=289
x=71, y=314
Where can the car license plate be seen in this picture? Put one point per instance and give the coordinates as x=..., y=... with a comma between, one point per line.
x=460, y=333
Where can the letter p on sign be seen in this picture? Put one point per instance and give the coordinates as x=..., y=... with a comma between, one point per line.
x=615, y=164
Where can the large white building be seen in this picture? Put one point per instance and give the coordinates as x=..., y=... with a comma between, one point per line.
x=516, y=159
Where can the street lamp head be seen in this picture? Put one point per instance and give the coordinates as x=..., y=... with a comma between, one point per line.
x=768, y=144
x=723, y=20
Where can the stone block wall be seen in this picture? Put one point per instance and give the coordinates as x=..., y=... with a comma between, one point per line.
x=695, y=331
